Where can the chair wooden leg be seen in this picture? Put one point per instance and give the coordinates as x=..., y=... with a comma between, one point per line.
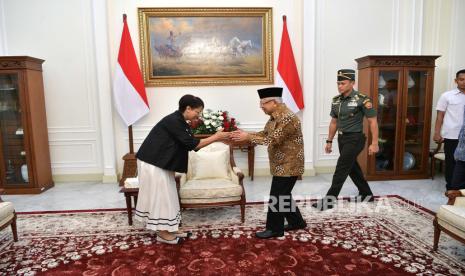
x=437, y=233
x=14, y=229
x=129, y=207
x=432, y=168
x=242, y=212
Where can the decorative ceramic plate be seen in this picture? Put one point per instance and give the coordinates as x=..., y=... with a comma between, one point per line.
x=409, y=161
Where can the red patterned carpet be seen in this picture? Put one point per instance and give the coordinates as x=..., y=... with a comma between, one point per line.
x=388, y=237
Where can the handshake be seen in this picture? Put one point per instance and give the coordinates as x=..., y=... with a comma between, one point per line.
x=231, y=137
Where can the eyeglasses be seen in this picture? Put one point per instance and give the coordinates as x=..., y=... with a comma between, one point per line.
x=264, y=102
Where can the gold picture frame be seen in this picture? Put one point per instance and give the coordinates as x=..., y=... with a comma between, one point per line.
x=206, y=46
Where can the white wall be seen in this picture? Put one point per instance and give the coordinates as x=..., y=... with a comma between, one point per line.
x=60, y=32
x=79, y=40
x=390, y=27
x=241, y=101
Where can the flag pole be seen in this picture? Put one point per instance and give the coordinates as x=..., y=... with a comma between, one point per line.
x=131, y=144
x=130, y=163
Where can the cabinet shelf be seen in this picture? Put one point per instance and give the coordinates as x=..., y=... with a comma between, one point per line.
x=24, y=148
x=406, y=138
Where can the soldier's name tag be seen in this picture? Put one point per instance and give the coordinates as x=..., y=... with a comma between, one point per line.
x=352, y=104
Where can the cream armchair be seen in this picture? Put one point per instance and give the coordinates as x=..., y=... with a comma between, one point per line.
x=8, y=217
x=212, y=179
x=451, y=218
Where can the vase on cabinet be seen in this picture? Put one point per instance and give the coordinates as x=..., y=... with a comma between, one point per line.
x=24, y=173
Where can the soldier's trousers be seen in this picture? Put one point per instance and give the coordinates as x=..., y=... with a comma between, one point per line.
x=350, y=146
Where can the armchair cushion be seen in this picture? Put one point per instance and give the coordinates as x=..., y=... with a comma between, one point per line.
x=131, y=182
x=210, y=164
x=210, y=190
x=460, y=202
x=453, y=217
x=6, y=212
x=440, y=156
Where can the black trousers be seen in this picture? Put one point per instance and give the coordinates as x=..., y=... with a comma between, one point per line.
x=449, y=148
x=281, y=204
x=458, y=178
x=350, y=146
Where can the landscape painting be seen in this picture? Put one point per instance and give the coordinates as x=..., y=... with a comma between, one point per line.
x=213, y=46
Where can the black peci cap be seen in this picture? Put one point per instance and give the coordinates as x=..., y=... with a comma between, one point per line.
x=270, y=92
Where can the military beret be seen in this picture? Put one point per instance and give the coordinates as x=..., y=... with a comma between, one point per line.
x=270, y=92
x=345, y=74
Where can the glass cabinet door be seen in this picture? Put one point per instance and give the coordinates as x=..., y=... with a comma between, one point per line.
x=415, y=85
x=13, y=152
x=388, y=100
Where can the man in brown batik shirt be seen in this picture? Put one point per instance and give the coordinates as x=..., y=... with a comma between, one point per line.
x=283, y=136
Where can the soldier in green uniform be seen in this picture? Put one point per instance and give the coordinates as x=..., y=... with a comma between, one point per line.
x=347, y=112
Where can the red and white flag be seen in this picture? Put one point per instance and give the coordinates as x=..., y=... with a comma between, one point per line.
x=128, y=85
x=288, y=77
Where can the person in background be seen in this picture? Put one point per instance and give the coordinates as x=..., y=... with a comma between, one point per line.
x=449, y=120
x=458, y=177
x=164, y=152
x=347, y=112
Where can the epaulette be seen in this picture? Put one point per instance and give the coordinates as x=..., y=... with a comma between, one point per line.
x=336, y=97
x=362, y=95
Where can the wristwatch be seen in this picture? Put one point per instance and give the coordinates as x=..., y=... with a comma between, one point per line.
x=329, y=141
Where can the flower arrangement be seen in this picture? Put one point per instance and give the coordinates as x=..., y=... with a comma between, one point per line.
x=212, y=121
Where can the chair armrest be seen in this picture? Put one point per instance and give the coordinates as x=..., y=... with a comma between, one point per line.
x=236, y=175
x=238, y=172
x=453, y=195
x=460, y=201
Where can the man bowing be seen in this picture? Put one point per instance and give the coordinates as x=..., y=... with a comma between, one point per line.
x=283, y=136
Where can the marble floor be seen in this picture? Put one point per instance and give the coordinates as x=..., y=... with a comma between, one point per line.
x=89, y=195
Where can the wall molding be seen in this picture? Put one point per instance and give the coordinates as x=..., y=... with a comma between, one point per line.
x=103, y=88
x=320, y=76
x=92, y=160
x=453, y=41
x=436, y=22
x=309, y=81
x=321, y=142
x=417, y=26
x=3, y=34
x=395, y=27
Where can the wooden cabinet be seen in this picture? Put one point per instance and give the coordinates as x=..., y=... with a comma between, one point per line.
x=24, y=148
x=401, y=88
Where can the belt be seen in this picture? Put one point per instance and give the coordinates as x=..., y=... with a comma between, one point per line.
x=340, y=132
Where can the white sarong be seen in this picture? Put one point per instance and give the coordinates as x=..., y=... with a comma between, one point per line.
x=157, y=203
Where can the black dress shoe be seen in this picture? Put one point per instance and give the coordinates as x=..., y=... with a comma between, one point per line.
x=323, y=206
x=288, y=227
x=366, y=198
x=268, y=234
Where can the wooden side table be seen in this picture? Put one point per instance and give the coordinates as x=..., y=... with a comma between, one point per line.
x=250, y=149
x=128, y=193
